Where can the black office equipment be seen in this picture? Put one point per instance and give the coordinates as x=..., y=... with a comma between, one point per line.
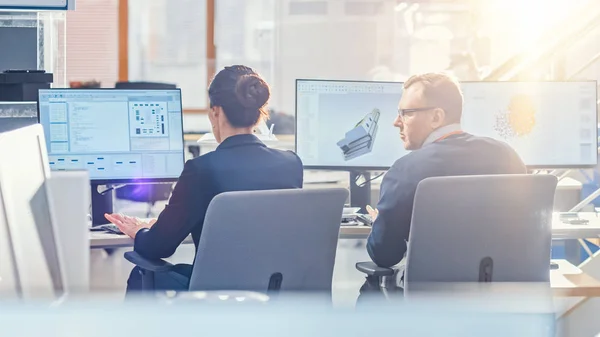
x=23, y=85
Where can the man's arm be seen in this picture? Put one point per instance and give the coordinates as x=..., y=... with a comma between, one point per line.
x=186, y=209
x=387, y=243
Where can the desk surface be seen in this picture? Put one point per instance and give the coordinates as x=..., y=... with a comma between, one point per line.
x=101, y=240
x=562, y=230
x=570, y=281
x=559, y=231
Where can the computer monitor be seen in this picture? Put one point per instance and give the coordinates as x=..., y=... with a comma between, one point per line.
x=27, y=215
x=550, y=124
x=348, y=124
x=119, y=136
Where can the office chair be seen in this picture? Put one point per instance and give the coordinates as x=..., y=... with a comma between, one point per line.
x=146, y=193
x=263, y=241
x=494, y=228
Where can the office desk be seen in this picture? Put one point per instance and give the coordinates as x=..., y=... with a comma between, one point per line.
x=103, y=240
x=570, y=281
x=560, y=230
x=566, y=231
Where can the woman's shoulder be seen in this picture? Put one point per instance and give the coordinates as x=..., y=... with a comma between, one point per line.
x=289, y=155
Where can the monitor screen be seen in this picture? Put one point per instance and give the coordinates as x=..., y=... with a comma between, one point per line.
x=550, y=124
x=117, y=135
x=347, y=125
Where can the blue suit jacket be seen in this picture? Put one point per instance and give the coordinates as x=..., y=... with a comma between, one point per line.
x=240, y=163
x=461, y=154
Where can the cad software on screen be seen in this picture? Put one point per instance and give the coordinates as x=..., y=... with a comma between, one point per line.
x=343, y=124
x=114, y=134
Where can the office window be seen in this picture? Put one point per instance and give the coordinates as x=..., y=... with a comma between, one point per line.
x=167, y=43
x=250, y=41
x=92, y=42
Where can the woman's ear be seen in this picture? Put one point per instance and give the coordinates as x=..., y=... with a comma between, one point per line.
x=213, y=114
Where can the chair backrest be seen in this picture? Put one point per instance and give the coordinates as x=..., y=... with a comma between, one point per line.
x=481, y=229
x=269, y=240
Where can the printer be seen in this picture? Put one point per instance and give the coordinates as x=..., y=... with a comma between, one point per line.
x=19, y=96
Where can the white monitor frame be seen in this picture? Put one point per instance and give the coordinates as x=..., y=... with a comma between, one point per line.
x=36, y=254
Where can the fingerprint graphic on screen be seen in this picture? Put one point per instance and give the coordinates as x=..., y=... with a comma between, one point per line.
x=518, y=118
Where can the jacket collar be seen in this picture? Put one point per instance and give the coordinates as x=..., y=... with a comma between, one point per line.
x=240, y=140
x=441, y=132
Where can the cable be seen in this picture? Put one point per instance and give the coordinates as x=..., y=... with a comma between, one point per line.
x=367, y=181
x=111, y=188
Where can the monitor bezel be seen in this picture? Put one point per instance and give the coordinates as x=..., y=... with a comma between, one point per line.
x=383, y=168
x=126, y=180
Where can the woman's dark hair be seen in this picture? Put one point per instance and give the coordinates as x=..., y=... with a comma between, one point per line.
x=242, y=94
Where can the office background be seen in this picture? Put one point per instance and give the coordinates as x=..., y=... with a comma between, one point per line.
x=185, y=41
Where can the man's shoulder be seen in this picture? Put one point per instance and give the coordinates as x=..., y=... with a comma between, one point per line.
x=418, y=157
x=462, y=148
x=412, y=165
x=496, y=145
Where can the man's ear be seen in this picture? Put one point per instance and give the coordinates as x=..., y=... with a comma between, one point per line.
x=439, y=118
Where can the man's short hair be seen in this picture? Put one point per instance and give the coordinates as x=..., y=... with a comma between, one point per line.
x=441, y=91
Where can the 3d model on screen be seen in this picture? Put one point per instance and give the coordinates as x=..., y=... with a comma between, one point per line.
x=360, y=139
x=518, y=119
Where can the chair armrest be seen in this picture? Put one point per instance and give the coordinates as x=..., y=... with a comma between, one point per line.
x=371, y=269
x=147, y=264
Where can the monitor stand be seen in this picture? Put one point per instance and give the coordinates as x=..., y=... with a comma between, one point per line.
x=102, y=203
x=360, y=196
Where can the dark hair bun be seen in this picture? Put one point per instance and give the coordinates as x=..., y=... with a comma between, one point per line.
x=252, y=91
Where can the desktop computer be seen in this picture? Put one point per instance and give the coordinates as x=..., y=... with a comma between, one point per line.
x=118, y=136
x=348, y=125
x=549, y=124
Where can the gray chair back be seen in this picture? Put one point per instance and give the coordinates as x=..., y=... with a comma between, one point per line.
x=269, y=241
x=481, y=229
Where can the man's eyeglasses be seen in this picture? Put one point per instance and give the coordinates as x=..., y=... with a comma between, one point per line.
x=403, y=112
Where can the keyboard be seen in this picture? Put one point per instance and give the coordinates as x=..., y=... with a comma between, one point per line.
x=111, y=228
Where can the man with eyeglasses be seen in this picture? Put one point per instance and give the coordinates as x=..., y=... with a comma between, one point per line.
x=429, y=115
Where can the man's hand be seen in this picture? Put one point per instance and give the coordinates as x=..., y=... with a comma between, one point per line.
x=372, y=212
x=127, y=224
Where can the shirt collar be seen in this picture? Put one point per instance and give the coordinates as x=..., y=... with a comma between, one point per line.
x=440, y=132
x=240, y=140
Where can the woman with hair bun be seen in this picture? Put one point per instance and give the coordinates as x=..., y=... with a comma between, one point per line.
x=238, y=99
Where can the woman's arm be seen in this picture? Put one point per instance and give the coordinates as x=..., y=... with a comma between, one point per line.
x=185, y=210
